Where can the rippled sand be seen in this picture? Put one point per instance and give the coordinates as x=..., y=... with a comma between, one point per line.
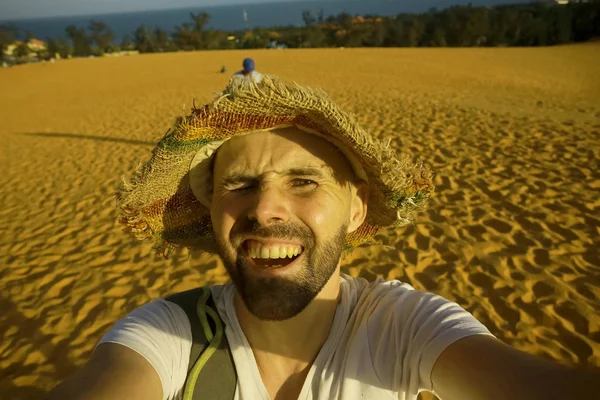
x=511, y=235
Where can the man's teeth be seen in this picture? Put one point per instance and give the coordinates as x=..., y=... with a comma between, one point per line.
x=256, y=250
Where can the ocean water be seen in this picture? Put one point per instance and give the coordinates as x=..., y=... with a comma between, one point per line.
x=238, y=17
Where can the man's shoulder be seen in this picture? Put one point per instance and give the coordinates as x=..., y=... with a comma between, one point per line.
x=215, y=290
x=387, y=297
x=394, y=304
x=160, y=332
x=378, y=287
x=156, y=313
x=188, y=299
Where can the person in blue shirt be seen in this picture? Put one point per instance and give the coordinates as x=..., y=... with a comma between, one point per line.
x=249, y=71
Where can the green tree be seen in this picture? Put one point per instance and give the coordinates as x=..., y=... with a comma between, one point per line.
x=200, y=20
x=257, y=39
x=308, y=18
x=585, y=21
x=101, y=35
x=293, y=37
x=185, y=37
x=22, y=50
x=477, y=27
x=393, y=32
x=331, y=20
x=450, y=21
x=216, y=40
x=524, y=33
x=434, y=34
x=144, y=40
x=81, y=43
x=190, y=35
x=412, y=31
x=562, y=29
x=57, y=46
x=161, y=37
x=438, y=37
x=320, y=17
x=356, y=38
x=315, y=37
x=498, y=29
x=8, y=33
x=344, y=20
x=127, y=44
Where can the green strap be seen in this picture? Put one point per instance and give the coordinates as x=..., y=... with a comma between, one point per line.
x=214, y=342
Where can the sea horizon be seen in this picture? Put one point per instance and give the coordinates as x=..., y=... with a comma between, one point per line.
x=234, y=17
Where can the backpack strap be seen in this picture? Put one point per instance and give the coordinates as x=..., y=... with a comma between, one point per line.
x=211, y=370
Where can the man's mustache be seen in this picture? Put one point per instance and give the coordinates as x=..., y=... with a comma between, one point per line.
x=278, y=230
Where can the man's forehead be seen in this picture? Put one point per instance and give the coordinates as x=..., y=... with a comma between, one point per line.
x=278, y=150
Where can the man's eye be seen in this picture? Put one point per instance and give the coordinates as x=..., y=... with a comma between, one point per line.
x=303, y=183
x=240, y=188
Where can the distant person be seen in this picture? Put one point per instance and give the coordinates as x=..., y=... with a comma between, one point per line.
x=249, y=72
x=223, y=69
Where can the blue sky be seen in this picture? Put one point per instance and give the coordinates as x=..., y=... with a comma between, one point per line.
x=21, y=9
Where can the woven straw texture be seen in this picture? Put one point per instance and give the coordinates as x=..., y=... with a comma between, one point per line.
x=157, y=203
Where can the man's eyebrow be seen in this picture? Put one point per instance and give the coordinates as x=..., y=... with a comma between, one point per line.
x=235, y=178
x=306, y=171
x=239, y=178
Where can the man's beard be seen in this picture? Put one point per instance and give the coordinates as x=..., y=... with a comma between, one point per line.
x=278, y=298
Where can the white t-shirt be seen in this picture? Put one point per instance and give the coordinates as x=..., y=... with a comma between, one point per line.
x=384, y=341
x=254, y=75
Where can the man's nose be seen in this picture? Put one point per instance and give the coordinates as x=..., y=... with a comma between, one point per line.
x=269, y=206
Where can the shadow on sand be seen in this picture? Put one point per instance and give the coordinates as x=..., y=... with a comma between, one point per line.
x=90, y=137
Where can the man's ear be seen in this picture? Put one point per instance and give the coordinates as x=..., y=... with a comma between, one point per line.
x=358, y=204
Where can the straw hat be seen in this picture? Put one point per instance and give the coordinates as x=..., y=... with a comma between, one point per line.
x=168, y=198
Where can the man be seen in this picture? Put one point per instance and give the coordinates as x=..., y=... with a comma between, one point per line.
x=249, y=72
x=279, y=182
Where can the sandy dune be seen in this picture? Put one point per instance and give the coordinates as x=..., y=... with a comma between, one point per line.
x=512, y=233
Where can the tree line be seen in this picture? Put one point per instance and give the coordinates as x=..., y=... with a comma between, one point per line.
x=535, y=24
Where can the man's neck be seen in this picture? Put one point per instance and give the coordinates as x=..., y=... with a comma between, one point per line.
x=294, y=342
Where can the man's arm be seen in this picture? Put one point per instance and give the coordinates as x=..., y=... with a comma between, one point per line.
x=481, y=367
x=113, y=372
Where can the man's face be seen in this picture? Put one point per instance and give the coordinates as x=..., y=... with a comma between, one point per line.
x=283, y=203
